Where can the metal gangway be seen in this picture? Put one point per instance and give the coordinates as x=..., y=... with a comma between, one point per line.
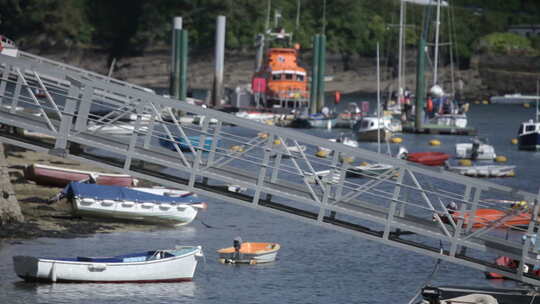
x=404, y=206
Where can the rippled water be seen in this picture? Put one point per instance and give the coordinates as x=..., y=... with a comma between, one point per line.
x=314, y=265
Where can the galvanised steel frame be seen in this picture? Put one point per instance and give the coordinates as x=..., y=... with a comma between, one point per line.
x=405, y=207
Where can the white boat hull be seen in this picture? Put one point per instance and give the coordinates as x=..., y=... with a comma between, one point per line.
x=326, y=177
x=484, y=171
x=370, y=170
x=373, y=128
x=373, y=135
x=450, y=120
x=161, y=213
x=485, y=152
x=170, y=269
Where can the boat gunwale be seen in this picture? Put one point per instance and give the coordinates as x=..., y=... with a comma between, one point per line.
x=46, y=167
x=196, y=249
x=274, y=248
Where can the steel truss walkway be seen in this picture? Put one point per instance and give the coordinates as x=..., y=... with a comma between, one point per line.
x=404, y=207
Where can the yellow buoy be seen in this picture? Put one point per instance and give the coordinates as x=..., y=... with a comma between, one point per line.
x=477, y=102
x=465, y=162
x=526, y=105
x=396, y=140
x=485, y=101
x=237, y=148
x=364, y=163
x=520, y=205
x=321, y=153
x=435, y=142
x=277, y=142
x=501, y=159
x=263, y=135
x=511, y=173
x=347, y=159
x=514, y=141
x=269, y=122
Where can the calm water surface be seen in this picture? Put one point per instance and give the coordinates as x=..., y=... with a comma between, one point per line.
x=314, y=265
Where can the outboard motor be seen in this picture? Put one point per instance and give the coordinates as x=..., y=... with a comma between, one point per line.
x=402, y=153
x=237, y=244
x=475, y=149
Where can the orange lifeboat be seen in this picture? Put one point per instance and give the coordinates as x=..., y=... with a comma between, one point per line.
x=286, y=81
x=485, y=217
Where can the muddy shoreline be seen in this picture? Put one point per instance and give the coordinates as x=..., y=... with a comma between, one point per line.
x=56, y=220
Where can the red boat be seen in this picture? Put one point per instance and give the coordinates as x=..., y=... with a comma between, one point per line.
x=60, y=177
x=428, y=158
x=485, y=217
x=509, y=263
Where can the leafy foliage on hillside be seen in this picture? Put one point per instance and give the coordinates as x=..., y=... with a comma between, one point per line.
x=126, y=27
x=506, y=44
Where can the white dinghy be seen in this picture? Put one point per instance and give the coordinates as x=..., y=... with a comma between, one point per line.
x=165, y=265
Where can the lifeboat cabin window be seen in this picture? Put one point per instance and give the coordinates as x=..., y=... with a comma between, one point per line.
x=299, y=77
x=530, y=128
x=276, y=76
x=288, y=76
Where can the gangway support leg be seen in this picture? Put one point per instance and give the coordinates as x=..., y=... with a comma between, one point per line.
x=263, y=168
x=134, y=137
x=328, y=187
x=66, y=120
x=198, y=158
x=393, y=204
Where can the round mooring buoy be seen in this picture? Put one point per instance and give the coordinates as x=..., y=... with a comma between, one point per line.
x=465, y=162
x=514, y=141
x=263, y=135
x=434, y=142
x=347, y=159
x=396, y=140
x=321, y=153
x=277, y=142
x=237, y=148
x=501, y=159
x=526, y=105
x=485, y=101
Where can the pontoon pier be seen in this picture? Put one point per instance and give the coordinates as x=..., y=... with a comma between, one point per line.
x=403, y=208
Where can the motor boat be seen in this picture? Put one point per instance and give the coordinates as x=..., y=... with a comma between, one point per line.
x=249, y=252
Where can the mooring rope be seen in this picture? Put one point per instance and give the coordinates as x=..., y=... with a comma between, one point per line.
x=433, y=272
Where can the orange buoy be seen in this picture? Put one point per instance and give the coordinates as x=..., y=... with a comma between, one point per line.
x=337, y=97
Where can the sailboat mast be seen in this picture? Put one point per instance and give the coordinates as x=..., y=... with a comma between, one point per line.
x=537, y=97
x=400, y=52
x=436, y=55
x=267, y=24
x=378, y=103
